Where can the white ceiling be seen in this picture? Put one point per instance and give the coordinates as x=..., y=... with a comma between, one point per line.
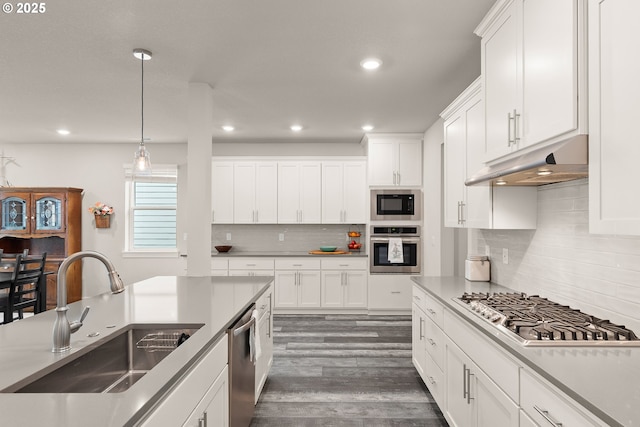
x=270, y=63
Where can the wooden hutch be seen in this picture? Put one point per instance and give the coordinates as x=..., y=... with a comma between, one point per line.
x=44, y=219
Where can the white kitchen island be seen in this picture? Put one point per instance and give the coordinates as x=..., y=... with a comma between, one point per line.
x=25, y=348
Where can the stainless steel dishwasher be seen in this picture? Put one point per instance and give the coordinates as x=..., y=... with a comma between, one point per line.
x=242, y=372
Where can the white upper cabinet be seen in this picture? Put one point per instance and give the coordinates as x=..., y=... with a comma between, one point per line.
x=479, y=206
x=299, y=192
x=344, y=192
x=395, y=159
x=255, y=192
x=221, y=192
x=533, y=73
x=614, y=90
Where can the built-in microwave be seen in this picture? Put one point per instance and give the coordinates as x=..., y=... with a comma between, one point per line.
x=396, y=205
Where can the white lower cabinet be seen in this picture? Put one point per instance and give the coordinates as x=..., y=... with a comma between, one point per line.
x=219, y=267
x=472, y=399
x=297, y=283
x=344, y=283
x=418, y=340
x=213, y=409
x=390, y=292
x=545, y=405
x=265, y=330
x=202, y=393
x=251, y=267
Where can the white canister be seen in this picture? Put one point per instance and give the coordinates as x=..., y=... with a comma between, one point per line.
x=477, y=268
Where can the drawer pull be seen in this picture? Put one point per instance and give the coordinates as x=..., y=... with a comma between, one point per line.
x=432, y=342
x=250, y=265
x=431, y=380
x=431, y=312
x=416, y=297
x=297, y=265
x=547, y=417
x=395, y=292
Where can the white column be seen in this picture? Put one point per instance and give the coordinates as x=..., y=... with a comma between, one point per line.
x=199, y=149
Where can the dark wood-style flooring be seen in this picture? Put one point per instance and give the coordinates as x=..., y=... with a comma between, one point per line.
x=344, y=370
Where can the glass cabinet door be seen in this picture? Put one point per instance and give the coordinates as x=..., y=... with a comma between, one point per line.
x=15, y=214
x=48, y=213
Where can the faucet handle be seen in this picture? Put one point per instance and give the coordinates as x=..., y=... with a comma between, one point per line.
x=78, y=323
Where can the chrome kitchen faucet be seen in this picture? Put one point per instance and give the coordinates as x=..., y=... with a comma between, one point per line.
x=62, y=329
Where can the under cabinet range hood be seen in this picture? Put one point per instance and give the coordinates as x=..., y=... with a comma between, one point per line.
x=563, y=161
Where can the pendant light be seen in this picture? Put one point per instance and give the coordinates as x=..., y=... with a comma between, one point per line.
x=141, y=159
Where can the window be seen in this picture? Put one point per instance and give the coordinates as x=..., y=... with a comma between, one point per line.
x=151, y=210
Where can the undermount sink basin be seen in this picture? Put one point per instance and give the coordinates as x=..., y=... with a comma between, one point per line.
x=113, y=366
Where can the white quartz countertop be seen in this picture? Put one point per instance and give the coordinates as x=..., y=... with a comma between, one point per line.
x=605, y=380
x=25, y=346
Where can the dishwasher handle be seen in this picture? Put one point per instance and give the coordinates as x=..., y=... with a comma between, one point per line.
x=244, y=327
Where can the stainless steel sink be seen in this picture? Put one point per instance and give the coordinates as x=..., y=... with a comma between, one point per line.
x=112, y=366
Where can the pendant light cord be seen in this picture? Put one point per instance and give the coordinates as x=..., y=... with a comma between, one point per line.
x=142, y=101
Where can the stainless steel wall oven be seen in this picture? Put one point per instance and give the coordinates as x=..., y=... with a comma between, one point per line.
x=395, y=250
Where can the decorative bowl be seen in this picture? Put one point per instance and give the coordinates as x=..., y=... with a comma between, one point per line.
x=328, y=248
x=223, y=248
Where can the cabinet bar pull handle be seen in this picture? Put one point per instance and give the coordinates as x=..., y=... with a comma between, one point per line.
x=516, y=127
x=397, y=292
x=432, y=342
x=469, y=398
x=431, y=380
x=462, y=205
x=547, y=417
x=509, y=141
x=421, y=334
x=431, y=312
x=398, y=174
x=415, y=297
x=297, y=265
x=464, y=381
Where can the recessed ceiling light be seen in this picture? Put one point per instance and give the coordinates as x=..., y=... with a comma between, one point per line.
x=501, y=182
x=63, y=132
x=370, y=63
x=367, y=128
x=228, y=128
x=543, y=172
x=296, y=128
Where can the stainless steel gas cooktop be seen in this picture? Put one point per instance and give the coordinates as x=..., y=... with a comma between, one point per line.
x=536, y=321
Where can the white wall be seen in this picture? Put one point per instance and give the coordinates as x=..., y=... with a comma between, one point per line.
x=437, y=241
x=98, y=169
x=560, y=260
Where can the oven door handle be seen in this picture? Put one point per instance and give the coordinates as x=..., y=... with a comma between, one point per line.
x=404, y=239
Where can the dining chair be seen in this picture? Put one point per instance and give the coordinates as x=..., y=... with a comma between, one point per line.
x=25, y=289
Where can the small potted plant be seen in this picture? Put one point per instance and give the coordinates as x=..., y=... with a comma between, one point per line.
x=102, y=213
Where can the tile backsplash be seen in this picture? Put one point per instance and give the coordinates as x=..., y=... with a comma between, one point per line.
x=297, y=237
x=560, y=260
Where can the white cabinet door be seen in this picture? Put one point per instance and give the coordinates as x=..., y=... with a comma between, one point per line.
x=550, y=69
x=355, y=192
x=266, y=196
x=332, y=193
x=332, y=288
x=309, y=289
x=286, y=289
x=614, y=90
x=299, y=192
x=213, y=409
x=221, y=192
x=418, y=342
x=355, y=289
x=501, y=69
x=454, y=170
x=478, y=207
x=344, y=192
x=409, y=163
x=244, y=192
x=382, y=162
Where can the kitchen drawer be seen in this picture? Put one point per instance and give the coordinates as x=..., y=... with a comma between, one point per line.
x=251, y=264
x=419, y=297
x=297, y=264
x=435, y=342
x=546, y=405
x=434, y=380
x=434, y=310
x=263, y=305
x=345, y=263
x=219, y=264
x=496, y=364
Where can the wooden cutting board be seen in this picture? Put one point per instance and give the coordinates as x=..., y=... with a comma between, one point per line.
x=318, y=252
